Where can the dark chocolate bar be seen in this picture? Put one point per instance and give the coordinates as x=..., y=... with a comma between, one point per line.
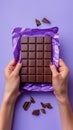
x=36, y=54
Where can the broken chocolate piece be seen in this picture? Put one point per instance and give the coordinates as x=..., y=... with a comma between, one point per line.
x=43, y=105
x=36, y=112
x=38, y=23
x=32, y=100
x=43, y=111
x=48, y=105
x=26, y=105
x=45, y=20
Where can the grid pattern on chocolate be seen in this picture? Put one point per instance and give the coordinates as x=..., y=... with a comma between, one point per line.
x=36, y=54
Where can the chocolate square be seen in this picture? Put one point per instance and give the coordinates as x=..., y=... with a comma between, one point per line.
x=31, y=62
x=39, y=40
x=36, y=54
x=39, y=70
x=39, y=55
x=24, y=62
x=31, y=47
x=31, y=70
x=31, y=55
x=39, y=47
x=39, y=78
x=23, y=55
x=31, y=78
x=39, y=62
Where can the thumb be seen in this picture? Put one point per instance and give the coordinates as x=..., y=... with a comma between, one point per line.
x=20, y=93
x=54, y=70
x=17, y=68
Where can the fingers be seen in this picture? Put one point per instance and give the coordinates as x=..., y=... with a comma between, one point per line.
x=61, y=63
x=17, y=68
x=54, y=70
x=12, y=63
x=19, y=93
x=10, y=66
x=63, y=66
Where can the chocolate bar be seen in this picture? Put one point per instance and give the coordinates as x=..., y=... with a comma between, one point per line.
x=36, y=54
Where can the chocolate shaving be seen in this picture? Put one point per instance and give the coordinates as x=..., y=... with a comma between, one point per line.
x=26, y=105
x=36, y=112
x=43, y=105
x=32, y=100
x=45, y=20
x=48, y=105
x=38, y=23
x=43, y=111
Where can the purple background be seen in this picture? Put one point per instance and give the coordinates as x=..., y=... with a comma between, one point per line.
x=23, y=13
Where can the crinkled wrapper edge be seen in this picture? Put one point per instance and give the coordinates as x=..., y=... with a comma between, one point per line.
x=17, y=33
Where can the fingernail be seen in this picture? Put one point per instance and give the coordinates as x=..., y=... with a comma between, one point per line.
x=19, y=61
x=51, y=63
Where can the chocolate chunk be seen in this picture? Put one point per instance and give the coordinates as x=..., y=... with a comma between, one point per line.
x=48, y=105
x=43, y=111
x=43, y=105
x=36, y=54
x=38, y=23
x=45, y=20
x=36, y=112
x=26, y=105
x=32, y=100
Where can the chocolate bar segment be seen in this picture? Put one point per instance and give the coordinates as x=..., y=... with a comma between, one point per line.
x=36, y=54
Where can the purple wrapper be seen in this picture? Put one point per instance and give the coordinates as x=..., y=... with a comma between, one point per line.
x=17, y=33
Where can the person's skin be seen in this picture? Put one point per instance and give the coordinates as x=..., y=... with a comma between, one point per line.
x=10, y=95
x=59, y=80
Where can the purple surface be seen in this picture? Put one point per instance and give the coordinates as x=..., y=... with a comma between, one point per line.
x=17, y=33
x=22, y=13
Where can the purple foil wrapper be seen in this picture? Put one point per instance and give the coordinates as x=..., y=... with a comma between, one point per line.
x=17, y=33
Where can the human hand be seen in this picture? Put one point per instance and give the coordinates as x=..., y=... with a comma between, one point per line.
x=12, y=81
x=59, y=79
